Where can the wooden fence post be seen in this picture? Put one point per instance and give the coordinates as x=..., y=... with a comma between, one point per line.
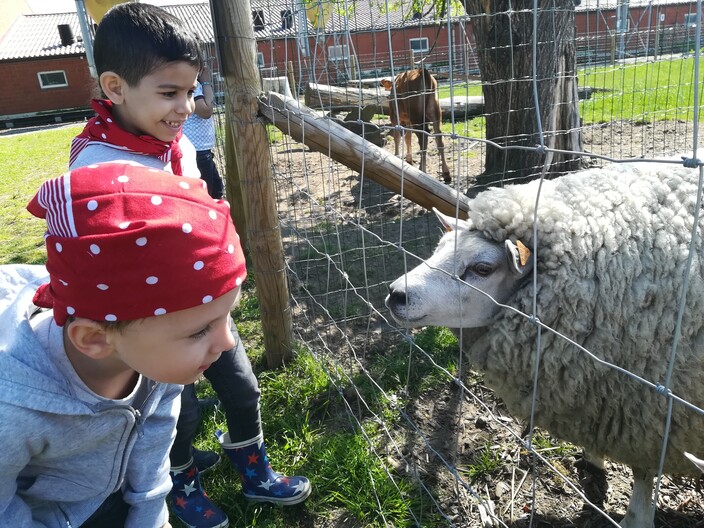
x=233, y=189
x=234, y=31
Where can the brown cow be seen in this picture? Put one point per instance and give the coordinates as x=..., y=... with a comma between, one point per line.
x=416, y=97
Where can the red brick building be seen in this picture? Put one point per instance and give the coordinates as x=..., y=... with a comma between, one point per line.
x=39, y=74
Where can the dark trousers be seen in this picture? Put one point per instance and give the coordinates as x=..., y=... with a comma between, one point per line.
x=112, y=513
x=236, y=386
x=209, y=173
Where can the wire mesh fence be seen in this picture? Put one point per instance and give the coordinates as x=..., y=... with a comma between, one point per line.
x=520, y=98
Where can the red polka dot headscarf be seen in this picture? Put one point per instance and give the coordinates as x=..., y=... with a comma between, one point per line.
x=125, y=242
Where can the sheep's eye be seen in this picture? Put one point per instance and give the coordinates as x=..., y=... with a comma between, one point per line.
x=482, y=269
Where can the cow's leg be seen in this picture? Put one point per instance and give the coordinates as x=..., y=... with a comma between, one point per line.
x=441, y=149
x=397, y=140
x=407, y=137
x=421, y=132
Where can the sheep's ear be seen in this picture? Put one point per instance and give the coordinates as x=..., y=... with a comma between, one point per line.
x=449, y=223
x=696, y=461
x=519, y=257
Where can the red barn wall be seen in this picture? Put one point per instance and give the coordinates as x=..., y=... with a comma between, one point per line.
x=23, y=94
x=371, y=49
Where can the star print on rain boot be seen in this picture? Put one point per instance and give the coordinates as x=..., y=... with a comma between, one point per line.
x=259, y=481
x=191, y=504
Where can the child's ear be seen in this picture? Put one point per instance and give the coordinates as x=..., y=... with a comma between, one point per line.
x=113, y=86
x=89, y=338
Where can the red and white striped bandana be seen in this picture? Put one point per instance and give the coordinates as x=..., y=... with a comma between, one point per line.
x=125, y=242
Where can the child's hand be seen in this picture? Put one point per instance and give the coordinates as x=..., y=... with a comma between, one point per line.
x=205, y=75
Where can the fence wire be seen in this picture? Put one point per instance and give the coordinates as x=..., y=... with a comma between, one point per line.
x=346, y=237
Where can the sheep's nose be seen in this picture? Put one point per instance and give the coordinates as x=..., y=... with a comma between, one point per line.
x=396, y=297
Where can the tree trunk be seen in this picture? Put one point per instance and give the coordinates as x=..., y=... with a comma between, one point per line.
x=503, y=31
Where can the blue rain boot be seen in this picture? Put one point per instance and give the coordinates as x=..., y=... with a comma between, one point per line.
x=191, y=504
x=260, y=482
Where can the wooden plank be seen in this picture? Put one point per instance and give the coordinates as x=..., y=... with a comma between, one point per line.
x=462, y=106
x=338, y=98
x=327, y=97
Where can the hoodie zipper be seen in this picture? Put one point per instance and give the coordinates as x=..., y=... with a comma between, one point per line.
x=139, y=425
x=138, y=419
x=68, y=521
x=138, y=412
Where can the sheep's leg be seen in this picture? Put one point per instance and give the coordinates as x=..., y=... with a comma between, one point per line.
x=640, y=507
x=592, y=478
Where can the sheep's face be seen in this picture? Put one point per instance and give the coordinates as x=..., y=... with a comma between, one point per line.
x=460, y=285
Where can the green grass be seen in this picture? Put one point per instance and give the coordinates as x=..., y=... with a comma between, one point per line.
x=643, y=91
x=460, y=89
x=390, y=368
x=28, y=160
x=484, y=462
x=640, y=92
x=275, y=135
x=474, y=127
x=550, y=448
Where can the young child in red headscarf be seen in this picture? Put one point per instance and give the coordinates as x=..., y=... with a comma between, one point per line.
x=143, y=270
x=147, y=63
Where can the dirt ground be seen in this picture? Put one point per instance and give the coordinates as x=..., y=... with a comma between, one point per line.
x=461, y=426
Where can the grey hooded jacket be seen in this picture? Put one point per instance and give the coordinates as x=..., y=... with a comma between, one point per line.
x=64, y=453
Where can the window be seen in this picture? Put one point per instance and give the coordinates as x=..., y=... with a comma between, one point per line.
x=286, y=19
x=260, y=59
x=258, y=17
x=338, y=53
x=52, y=79
x=690, y=20
x=419, y=45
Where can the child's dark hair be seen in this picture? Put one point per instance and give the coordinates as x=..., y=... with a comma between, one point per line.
x=134, y=39
x=109, y=326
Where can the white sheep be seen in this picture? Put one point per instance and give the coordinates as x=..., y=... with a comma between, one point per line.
x=612, y=249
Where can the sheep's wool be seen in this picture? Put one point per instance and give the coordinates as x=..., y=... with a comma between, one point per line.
x=612, y=249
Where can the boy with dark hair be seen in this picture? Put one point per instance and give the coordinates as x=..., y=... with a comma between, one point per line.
x=140, y=120
x=147, y=62
x=89, y=387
